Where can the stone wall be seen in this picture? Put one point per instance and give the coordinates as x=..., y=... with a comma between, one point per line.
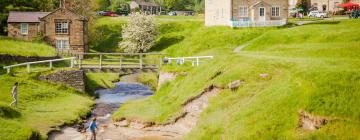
x=72, y=78
x=9, y=58
x=14, y=31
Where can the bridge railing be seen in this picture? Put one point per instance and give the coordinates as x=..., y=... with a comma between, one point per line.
x=28, y=64
x=195, y=60
x=119, y=60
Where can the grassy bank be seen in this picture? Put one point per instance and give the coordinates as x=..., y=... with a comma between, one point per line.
x=42, y=106
x=96, y=81
x=312, y=67
x=25, y=48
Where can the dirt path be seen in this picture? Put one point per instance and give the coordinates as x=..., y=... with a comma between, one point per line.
x=176, y=130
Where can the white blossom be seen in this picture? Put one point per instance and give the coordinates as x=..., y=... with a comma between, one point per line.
x=139, y=35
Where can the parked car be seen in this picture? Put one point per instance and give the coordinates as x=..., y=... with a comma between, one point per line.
x=322, y=15
x=106, y=13
x=313, y=13
x=317, y=14
x=172, y=13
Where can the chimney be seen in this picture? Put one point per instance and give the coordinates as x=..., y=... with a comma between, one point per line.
x=63, y=4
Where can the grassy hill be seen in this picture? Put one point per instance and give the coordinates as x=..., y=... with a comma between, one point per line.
x=24, y=48
x=42, y=106
x=312, y=68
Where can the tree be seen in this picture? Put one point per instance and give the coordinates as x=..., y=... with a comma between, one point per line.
x=303, y=4
x=139, y=34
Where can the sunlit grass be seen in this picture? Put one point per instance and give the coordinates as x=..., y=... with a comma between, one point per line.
x=312, y=67
x=25, y=48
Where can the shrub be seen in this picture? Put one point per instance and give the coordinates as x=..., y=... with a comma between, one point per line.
x=139, y=35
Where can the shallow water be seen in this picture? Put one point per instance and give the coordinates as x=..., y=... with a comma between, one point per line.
x=108, y=102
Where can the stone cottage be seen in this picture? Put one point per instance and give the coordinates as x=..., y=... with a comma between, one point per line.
x=146, y=6
x=246, y=13
x=326, y=5
x=63, y=29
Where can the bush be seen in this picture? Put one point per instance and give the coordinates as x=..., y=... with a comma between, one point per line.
x=139, y=35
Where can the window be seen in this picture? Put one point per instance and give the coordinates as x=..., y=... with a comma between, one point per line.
x=24, y=28
x=336, y=4
x=243, y=11
x=62, y=44
x=275, y=11
x=61, y=27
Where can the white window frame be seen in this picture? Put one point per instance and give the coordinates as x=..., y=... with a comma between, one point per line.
x=24, y=28
x=62, y=44
x=243, y=11
x=275, y=11
x=61, y=27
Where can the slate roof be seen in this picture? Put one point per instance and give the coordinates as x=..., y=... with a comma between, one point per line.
x=15, y=16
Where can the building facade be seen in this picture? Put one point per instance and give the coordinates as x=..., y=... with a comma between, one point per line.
x=326, y=5
x=145, y=6
x=63, y=29
x=246, y=13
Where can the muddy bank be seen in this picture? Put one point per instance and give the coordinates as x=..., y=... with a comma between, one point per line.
x=111, y=99
x=108, y=102
x=181, y=126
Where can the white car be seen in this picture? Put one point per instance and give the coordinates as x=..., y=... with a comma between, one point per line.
x=313, y=13
x=321, y=15
x=317, y=14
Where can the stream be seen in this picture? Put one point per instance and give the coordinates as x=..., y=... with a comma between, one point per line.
x=108, y=102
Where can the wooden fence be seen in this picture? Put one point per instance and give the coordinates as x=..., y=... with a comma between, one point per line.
x=28, y=64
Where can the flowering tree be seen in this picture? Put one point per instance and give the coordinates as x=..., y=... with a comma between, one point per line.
x=139, y=34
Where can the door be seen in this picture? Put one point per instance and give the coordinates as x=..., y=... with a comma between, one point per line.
x=262, y=16
x=62, y=45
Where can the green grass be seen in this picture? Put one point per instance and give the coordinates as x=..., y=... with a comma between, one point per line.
x=312, y=67
x=148, y=78
x=106, y=32
x=42, y=106
x=96, y=81
x=25, y=48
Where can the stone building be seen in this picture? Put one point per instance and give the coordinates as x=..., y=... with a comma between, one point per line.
x=146, y=6
x=246, y=13
x=355, y=1
x=63, y=29
x=326, y=5
x=292, y=4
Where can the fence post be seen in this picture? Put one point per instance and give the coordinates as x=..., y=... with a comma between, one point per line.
x=120, y=63
x=51, y=65
x=197, y=61
x=28, y=68
x=141, y=61
x=72, y=63
x=161, y=61
x=100, y=63
x=8, y=70
x=80, y=65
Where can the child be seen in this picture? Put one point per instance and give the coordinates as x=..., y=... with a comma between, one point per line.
x=93, y=128
x=14, y=94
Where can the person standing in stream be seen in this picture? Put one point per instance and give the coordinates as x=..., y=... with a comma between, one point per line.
x=93, y=127
x=14, y=94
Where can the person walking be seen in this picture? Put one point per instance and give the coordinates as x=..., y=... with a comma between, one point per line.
x=93, y=127
x=14, y=94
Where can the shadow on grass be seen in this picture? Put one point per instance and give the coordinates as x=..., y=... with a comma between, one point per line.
x=106, y=38
x=8, y=112
x=323, y=22
x=166, y=41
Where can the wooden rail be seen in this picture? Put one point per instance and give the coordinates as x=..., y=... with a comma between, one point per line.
x=194, y=59
x=119, y=63
x=28, y=64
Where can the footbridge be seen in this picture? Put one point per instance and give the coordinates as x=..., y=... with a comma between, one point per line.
x=104, y=62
